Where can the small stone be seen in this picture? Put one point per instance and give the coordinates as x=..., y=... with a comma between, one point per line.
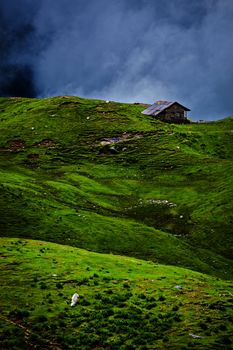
x=178, y=287
x=195, y=336
x=74, y=299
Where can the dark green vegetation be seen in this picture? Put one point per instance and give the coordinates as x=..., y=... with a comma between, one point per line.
x=124, y=303
x=103, y=177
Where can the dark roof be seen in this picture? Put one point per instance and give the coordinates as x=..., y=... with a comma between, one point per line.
x=160, y=106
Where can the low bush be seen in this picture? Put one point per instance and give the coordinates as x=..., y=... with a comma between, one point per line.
x=42, y=319
x=59, y=285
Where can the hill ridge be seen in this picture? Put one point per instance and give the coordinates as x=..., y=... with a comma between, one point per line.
x=58, y=165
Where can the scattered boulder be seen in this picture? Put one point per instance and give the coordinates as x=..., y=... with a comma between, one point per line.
x=124, y=137
x=178, y=287
x=113, y=150
x=74, y=299
x=195, y=336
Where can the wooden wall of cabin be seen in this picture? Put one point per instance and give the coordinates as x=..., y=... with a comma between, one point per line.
x=174, y=114
x=175, y=111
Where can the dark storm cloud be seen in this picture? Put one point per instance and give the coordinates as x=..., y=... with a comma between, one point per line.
x=126, y=50
x=16, y=32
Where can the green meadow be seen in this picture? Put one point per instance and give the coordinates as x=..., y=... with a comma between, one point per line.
x=133, y=214
x=124, y=302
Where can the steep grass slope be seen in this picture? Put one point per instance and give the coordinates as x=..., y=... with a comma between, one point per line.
x=124, y=303
x=103, y=177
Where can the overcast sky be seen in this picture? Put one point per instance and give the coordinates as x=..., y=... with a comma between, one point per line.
x=122, y=50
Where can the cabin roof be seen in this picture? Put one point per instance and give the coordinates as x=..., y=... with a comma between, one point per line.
x=160, y=106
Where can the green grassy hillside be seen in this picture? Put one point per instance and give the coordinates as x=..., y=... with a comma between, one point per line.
x=104, y=177
x=124, y=303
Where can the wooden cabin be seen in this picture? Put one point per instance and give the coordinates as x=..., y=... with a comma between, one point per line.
x=167, y=111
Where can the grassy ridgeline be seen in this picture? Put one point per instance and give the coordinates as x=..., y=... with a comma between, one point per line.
x=162, y=192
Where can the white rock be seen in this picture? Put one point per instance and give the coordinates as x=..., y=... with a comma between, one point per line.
x=74, y=299
x=178, y=287
x=195, y=336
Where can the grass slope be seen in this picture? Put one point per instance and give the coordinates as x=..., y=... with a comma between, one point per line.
x=124, y=303
x=161, y=192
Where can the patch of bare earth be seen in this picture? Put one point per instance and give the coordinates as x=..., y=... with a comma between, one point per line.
x=33, y=156
x=46, y=143
x=14, y=146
